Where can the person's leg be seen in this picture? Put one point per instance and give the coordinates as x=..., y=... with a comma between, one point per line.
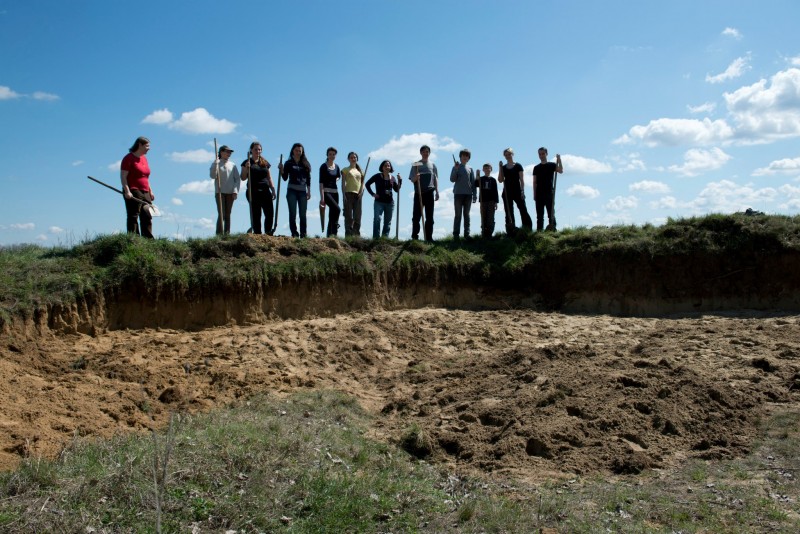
x=511, y=223
x=428, y=200
x=491, y=207
x=291, y=199
x=255, y=210
x=525, y=217
x=348, y=214
x=377, y=210
x=332, y=201
x=268, y=210
x=467, y=207
x=302, y=203
x=457, y=203
x=132, y=209
x=551, y=213
x=145, y=218
x=227, y=208
x=416, y=215
x=539, y=212
x=219, y=228
x=357, y=214
x=388, y=210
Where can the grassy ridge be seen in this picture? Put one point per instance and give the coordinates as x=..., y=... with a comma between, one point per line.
x=33, y=278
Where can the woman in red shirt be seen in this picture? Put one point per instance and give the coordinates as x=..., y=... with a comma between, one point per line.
x=135, y=178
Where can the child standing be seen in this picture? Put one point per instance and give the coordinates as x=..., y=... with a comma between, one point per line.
x=489, y=199
x=464, y=191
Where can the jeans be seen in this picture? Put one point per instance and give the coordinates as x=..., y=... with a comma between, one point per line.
x=386, y=209
x=463, y=203
x=296, y=199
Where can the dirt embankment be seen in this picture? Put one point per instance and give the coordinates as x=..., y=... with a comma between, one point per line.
x=507, y=377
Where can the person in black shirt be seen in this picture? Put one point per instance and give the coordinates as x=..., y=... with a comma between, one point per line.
x=297, y=171
x=384, y=184
x=513, y=180
x=487, y=193
x=262, y=187
x=544, y=189
x=329, y=174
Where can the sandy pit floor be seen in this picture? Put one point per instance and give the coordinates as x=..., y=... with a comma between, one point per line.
x=520, y=392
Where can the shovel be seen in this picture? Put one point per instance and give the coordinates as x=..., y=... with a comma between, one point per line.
x=149, y=206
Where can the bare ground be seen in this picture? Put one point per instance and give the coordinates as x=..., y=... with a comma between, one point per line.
x=524, y=393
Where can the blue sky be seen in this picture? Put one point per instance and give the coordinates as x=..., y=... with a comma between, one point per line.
x=659, y=109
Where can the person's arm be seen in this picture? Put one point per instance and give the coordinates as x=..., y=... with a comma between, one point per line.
x=522, y=180
x=237, y=180
x=500, y=175
x=413, y=176
x=435, y=179
x=559, y=167
x=321, y=186
x=126, y=191
x=270, y=182
x=474, y=185
x=369, y=186
x=454, y=174
x=534, y=184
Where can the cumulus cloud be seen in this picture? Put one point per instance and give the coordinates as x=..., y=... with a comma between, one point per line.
x=176, y=201
x=41, y=95
x=23, y=226
x=726, y=196
x=202, y=187
x=738, y=67
x=674, y=132
x=732, y=32
x=405, y=149
x=781, y=166
x=56, y=230
x=77, y=163
x=791, y=196
x=667, y=202
x=582, y=191
x=192, y=156
x=115, y=166
x=200, y=121
x=767, y=111
x=697, y=161
x=580, y=165
x=650, y=187
x=159, y=116
x=706, y=107
x=6, y=93
x=622, y=203
x=41, y=237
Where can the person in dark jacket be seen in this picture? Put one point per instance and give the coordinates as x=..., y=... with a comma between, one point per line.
x=297, y=171
x=384, y=184
x=329, y=175
x=487, y=187
x=261, y=190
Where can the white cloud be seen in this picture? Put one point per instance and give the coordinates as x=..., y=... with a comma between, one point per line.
x=192, y=156
x=41, y=95
x=732, y=32
x=673, y=132
x=766, y=113
x=56, y=230
x=795, y=61
x=664, y=203
x=706, y=107
x=202, y=187
x=115, y=166
x=582, y=191
x=41, y=237
x=649, y=186
x=200, y=121
x=785, y=165
x=23, y=226
x=738, y=67
x=791, y=195
x=622, y=203
x=176, y=201
x=206, y=223
x=726, y=196
x=405, y=149
x=697, y=161
x=160, y=116
x=580, y=165
x=6, y=93
x=77, y=163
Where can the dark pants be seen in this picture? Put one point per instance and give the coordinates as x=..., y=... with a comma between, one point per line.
x=352, y=214
x=227, y=206
x=545, y=201
x=463, y=203
x=136, y=213
x=511, y=224
x=427, y=203
x=487, y=218
x=332, y=203
x=261, y=203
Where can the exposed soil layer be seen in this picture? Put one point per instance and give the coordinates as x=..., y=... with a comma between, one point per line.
x=519, y=391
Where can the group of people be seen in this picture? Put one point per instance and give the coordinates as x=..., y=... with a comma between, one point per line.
x=469, y=187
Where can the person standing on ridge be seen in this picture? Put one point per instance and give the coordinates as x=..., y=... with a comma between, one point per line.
x=425, y=177
x=297, y=171
x=352, y=192
x=544, y=189
x=262, y=187
x=465, y=191
x=135, y=179
x=329, y=174
x=384, y=184
x=226, y=189
x=487, y=186
x=512, y=176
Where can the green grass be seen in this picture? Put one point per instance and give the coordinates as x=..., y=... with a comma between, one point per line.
x=304, y=465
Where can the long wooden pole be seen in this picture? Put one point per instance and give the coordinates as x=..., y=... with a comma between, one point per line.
x=219, y=188
x=250, y=189
x=278, y=196
x=397, y=223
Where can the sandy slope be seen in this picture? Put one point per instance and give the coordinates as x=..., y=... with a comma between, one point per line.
x=514, y=391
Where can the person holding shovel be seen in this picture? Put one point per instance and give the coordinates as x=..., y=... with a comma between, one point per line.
x=226, y=187
x=329, y=175
x=135, y=179
x=297, y=171
x=384, y=184
x=425, y=177
x=352, y=191
x=544, y=189
x=260, y=190
x=512, y=178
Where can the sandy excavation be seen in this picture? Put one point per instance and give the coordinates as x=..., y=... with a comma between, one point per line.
x=520, y=392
